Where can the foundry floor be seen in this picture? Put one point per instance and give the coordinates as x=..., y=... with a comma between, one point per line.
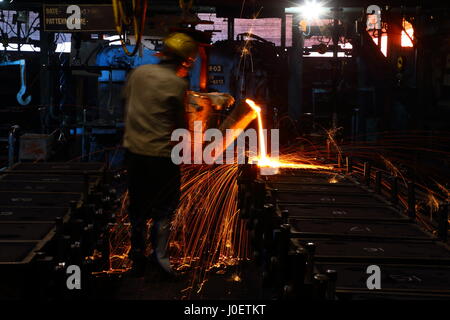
x=217, y=287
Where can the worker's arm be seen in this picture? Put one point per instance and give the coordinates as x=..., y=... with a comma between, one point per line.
x=180, y=111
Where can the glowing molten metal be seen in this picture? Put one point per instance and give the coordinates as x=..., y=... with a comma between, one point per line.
x=265, y=161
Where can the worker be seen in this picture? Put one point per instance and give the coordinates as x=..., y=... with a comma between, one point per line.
x=154, y=109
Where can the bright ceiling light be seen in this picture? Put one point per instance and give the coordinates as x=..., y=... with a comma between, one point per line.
x=311, y=10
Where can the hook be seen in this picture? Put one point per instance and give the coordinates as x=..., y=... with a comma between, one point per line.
x=23, y=87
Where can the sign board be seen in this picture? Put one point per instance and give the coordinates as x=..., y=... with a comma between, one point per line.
x=215, y=68
x=78, y=18
x=216, y=80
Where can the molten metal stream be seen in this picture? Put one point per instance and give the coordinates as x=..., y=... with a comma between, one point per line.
x=264, y=160
x=207, y=232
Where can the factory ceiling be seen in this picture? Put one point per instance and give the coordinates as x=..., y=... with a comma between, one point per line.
x=249, y=3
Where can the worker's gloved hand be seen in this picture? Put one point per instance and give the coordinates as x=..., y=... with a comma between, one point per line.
x=203, y=100
x=220, y=100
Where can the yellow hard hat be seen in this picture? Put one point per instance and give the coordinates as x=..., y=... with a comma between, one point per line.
x=181, y=45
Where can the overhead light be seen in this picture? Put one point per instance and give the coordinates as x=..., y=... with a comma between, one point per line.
x=311, y=9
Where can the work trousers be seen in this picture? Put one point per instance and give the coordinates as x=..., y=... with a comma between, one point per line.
x=154, y=192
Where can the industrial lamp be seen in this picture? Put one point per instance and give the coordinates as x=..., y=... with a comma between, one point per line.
x=311, y=9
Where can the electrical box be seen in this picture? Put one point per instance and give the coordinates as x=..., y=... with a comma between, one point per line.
x=35, y=146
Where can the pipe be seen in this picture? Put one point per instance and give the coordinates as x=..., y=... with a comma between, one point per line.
x=320, y=286
x=331, y=287
x=309, y=274
x=298, y=271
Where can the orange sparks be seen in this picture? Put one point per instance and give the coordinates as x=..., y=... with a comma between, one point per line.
x=207, y=232
x=333, y=180
x=236, y=278
x=264, y=160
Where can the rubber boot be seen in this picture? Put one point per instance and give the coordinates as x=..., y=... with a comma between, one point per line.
x=160, y=241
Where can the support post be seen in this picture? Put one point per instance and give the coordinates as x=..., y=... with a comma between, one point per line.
x=283, y=31
x=331, y=288
x=230, y=23
x=295, y=75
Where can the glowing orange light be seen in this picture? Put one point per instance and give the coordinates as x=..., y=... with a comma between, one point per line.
x=265, y=161
x=207, y=232
x=235, y=278
x=408, y=35
x=384, y=41
x=261, y=142
x=333, y=180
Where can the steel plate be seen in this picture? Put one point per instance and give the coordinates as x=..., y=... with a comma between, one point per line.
x=32, y=213
x=377, y=251
x=341, y=212
x=37, y=199
x=414, y=278
x=24, y=231
x=357, y=228
x=331, y=198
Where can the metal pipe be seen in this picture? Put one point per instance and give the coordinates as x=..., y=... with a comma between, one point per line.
x=283, y=250
x=230, y=22
x=267, y=228
x=283, y=31
x=331, y=288
x=309, y=274
x=284, y=240
x=320, y=286
x=295, y=70
x=336, y=70
x=298, y=271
